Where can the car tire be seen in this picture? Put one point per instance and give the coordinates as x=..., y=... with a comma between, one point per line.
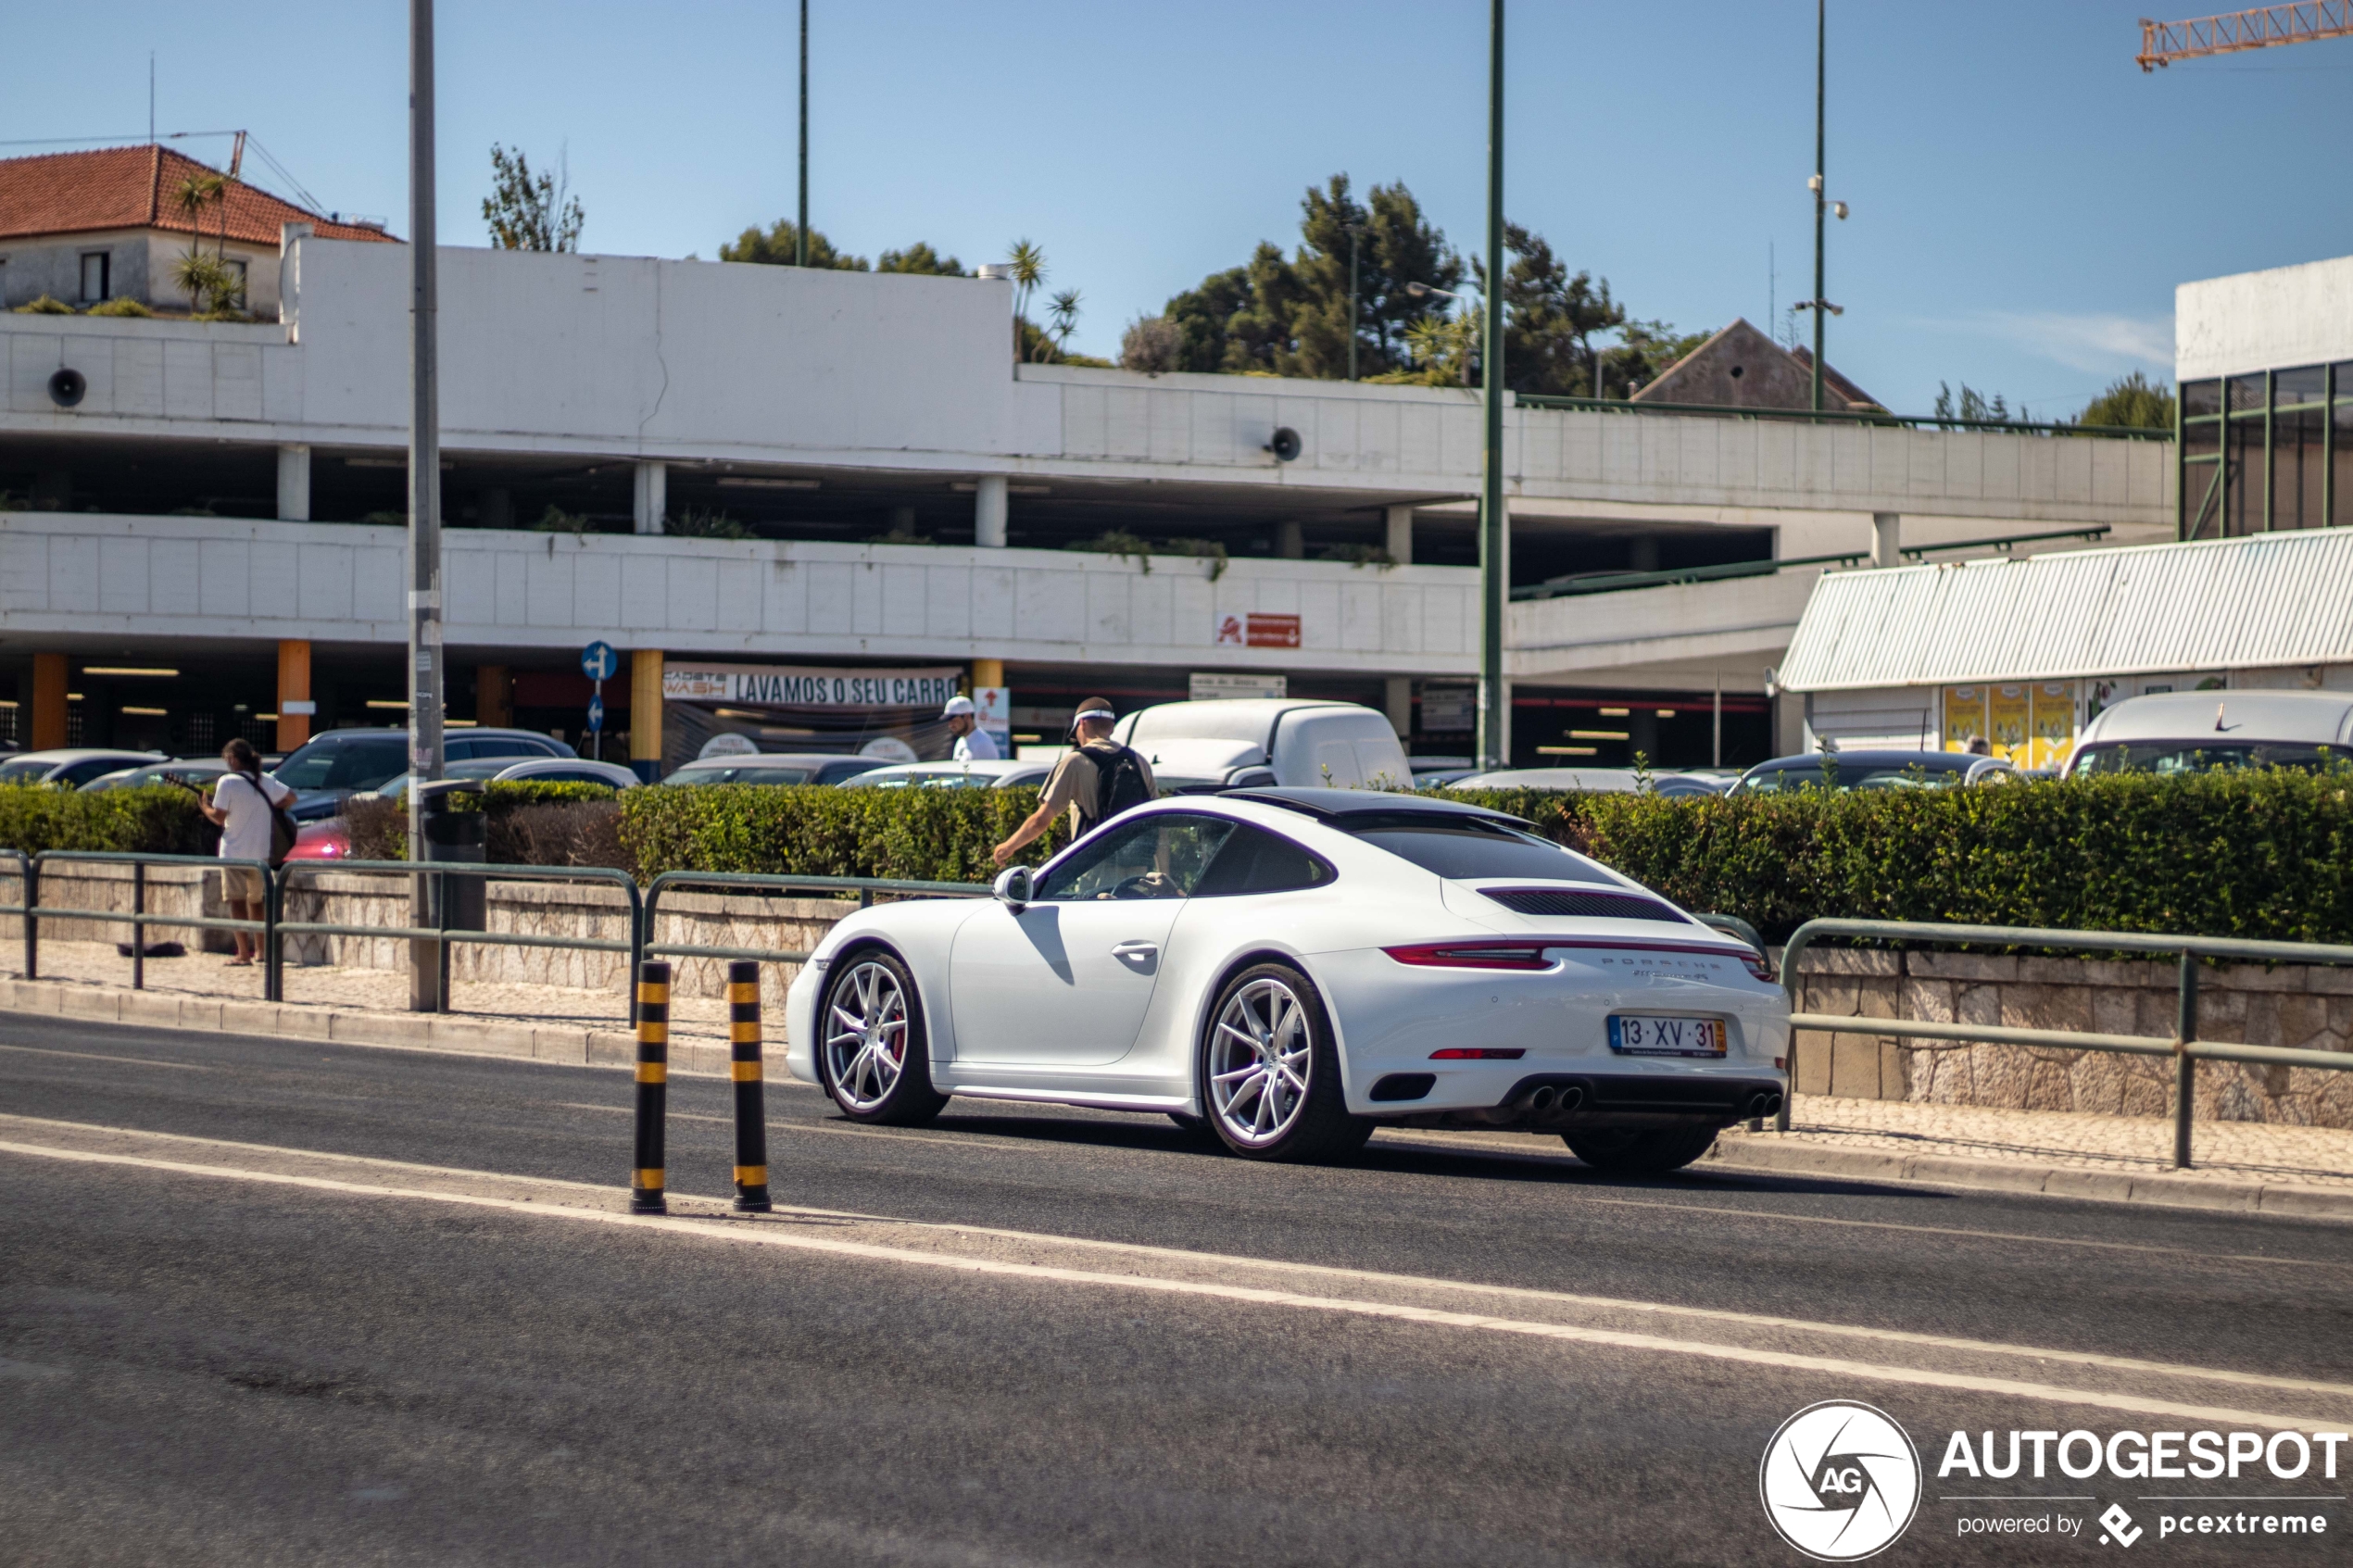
x=1267, y=1028
x=872, y=1054
x=1647, y=1153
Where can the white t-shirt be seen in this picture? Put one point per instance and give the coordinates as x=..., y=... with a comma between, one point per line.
x=979, y=746
x=246, y=835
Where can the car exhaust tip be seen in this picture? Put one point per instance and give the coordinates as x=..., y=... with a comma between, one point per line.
x=1542, y=1100
x=1571, y=1099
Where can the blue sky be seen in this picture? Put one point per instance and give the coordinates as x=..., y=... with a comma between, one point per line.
x=2025, y=198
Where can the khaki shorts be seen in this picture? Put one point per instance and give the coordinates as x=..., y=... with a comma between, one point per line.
x=241, y=885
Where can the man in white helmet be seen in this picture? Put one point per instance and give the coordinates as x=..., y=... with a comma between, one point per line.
x=972, y=743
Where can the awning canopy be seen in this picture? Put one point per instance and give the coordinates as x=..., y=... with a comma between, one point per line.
x=2265, y=602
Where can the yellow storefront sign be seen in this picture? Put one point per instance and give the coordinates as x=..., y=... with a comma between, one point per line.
x=1964, y=716
x=2009, y=711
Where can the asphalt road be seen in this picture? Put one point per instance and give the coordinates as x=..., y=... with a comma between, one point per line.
x=212, y=1353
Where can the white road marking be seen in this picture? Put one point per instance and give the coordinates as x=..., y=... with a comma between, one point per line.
x=803, y=1127
x=772, y=1234
x=132, y=1060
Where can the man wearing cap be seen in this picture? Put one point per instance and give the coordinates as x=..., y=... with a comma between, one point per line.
x=972, y=743
x=1077, y=783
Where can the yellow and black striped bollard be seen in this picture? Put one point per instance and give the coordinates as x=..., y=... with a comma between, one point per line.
x=653, y=1087
x=751, y=1108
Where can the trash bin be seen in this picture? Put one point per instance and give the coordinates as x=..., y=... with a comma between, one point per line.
x=456, y=836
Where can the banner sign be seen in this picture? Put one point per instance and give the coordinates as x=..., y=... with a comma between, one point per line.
x=1204, y=687
x=780, y=686
x=1256, y=630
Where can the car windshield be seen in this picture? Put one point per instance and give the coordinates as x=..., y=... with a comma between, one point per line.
x=900, y=778
x=2202, y=757
x=1913, y=775
x=1455, y=846
x=26, y=772
x=328, y=763
x=739, y=772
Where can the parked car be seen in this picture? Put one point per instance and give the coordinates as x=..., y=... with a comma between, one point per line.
x=1296, y=967
x=1875, y=769
x=2200, y=732
x=331, y=767
x=203, y=772
x=775, y=768
x=1604, y=780
x=1196, y=747
x=539, y=769
x=72, y=766
x=1002, y=774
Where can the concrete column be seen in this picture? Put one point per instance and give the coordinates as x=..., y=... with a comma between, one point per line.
x=290, y=238
x=645, y=714
x=1887, y=539
x=1397, y=701
x=1401, y=534
x=296, y=706
x=903, y=521
x=652, y=497
x=495, y=507
x=47, y=731
x=1289, y=542
x=494, y=695
x=988, y=511
x=294, y=484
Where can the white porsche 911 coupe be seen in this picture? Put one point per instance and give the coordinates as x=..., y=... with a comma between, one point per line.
x=1293, y=968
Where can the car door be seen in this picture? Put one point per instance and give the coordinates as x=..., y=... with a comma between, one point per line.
x=1065, y=981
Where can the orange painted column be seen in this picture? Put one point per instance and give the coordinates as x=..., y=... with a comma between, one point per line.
x=49, y=678
x=494, y=695
x=294, y=704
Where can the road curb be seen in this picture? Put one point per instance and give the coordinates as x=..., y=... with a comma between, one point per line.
x=1763, y=1156
x=453, y=1035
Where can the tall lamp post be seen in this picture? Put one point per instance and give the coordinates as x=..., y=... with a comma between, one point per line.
x=425, y=682
x=1495, y=573
x=800, y=223
x=1818, y=304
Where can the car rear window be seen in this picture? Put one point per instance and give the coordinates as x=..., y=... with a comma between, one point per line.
x=1466, y=846
x=350, y=764
x=2198, y=757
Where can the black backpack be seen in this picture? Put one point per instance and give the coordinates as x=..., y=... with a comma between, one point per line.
x=1119, y=783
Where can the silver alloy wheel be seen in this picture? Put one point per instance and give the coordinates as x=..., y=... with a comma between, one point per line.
x=1261, y=1055
x=866, y=1049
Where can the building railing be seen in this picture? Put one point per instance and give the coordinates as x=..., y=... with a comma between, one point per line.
x=1622, y=581
x=1842, y=416
x=2183, y=1045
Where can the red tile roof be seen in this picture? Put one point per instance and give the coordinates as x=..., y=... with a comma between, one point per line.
x=137, y=188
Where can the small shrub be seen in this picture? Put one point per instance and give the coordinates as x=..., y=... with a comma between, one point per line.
x=47, y=305
x=121, y=305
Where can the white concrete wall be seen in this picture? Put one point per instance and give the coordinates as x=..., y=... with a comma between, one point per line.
x=2269, y=321
x=1683, y=635
x=96, y=577
x=697, y=360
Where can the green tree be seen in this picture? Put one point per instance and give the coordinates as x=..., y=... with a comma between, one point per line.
x=2133, y=401
x=775, y=246
x=1971, y=404
x=1395, y=246
x=1550, y=318
x=1202, y=316
x=917, y=257
x=528, y=211
x=1644, y=352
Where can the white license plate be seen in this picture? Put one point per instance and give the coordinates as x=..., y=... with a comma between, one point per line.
x=1635, y=1034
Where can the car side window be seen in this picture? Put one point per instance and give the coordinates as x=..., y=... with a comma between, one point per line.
x=1254, y=860
x=500, y=746
x=1162, y=856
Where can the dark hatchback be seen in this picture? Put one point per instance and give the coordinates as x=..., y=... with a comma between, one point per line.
x=326, y=770
x=1874, y=770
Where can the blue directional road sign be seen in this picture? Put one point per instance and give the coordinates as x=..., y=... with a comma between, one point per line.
x=597, y=713
x=599, y=662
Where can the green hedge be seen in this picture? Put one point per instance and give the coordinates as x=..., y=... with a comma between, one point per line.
x=921, y=835
x=2266, y=855
x=155, y=819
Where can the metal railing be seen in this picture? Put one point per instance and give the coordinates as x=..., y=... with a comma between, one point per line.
x=435, y=875
x=1623, y=582
x=768, y=886
x=1842, y=416
x=31, y=911
x=2183, y=1045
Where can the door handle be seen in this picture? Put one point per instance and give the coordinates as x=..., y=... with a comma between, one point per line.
x=1134, y=949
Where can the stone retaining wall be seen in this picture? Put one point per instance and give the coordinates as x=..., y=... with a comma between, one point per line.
x=2306, y=1007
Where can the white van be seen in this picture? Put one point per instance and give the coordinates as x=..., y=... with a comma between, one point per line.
x=1230, y=744
x=2198, y=732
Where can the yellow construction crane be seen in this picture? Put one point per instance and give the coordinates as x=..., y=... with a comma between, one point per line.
x=2163, y=43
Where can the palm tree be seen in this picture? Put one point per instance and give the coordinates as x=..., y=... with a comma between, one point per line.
x=208, y=281
x=1064, y=313
x=1029, y=270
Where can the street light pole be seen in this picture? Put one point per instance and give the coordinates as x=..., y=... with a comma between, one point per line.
x=1821, y=198
x=1356, y=231
x=425, y=671
x=1494, y=573
x=800, y=227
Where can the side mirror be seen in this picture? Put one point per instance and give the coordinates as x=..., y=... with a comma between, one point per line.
x=1013, y=887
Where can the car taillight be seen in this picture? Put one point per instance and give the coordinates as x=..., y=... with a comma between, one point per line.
x=1759, y=966
x=1473, y=955
x=1480, y=1053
